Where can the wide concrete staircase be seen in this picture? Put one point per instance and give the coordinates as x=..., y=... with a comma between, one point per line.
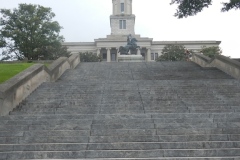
x=119, y=111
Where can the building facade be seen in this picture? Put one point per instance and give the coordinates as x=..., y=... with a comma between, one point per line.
x=122, y=23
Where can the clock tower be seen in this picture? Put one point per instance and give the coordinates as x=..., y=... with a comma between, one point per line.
x=122, y=20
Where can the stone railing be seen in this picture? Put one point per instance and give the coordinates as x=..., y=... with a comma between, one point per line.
x=227, y=65
x=16, y=89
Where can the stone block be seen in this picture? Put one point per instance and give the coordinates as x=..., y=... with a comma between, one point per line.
x=123, y=138
x=11, y=134
x=123, y=132
x=46, y=155
x=57, y=133
x=124, y=154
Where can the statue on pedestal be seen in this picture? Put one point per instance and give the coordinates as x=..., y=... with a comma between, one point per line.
x=130, y=47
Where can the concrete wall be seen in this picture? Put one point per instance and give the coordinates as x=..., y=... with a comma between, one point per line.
x=201, y=60
x=15, y=90
x=227, y=65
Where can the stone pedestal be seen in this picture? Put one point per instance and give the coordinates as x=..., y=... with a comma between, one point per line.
x=130, y=58
x=138, y=51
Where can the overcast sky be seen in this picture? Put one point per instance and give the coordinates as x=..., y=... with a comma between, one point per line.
x=86, y=20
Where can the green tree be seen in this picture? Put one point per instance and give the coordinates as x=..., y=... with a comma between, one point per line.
x=173, y=53
x=211, y=51
x=52, y=52
x=192, y=7
x=89, y=57
x=29, y=30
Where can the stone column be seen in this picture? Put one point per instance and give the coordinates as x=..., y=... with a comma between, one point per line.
x=148, y=54
x=108, y=54
x=98, y=51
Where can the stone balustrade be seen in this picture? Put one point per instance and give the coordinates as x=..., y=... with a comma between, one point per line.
x=16, y=89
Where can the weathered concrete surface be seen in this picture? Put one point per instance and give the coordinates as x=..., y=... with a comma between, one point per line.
x=167, y=110
x=19, y=87
x=15, y=90
x=229, y=66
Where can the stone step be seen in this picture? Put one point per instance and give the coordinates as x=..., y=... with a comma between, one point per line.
x=121, y=138
x=160, y=120
x=162, y=145
x=193, y=111
x=124, y=111
x=214, y=111
x=130, y=127
x=96, y=111
x=45, y=140
x=42, y=155
x=88, y=111
x=162, y=153
x=148, y=106
x=161, y=158
x=164, y=138
x=50, y=117
x=137, y=106
x=60, y=133
x=116, y=107
x=122, y=154
x=167, y=131
x=80, y=107
x=119, y=146
x=128, y=111
x=223, y=116
x=133, y=89
x=117, y=123
x=182, y=131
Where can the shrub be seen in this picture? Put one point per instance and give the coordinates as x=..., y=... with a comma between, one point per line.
x=172, y=53
x=211, y=51
x=89, y=57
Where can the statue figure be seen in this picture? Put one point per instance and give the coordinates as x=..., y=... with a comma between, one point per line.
x=129, y=38
x=131, y=46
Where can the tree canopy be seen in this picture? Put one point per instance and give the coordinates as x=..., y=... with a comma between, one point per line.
x=192, y=7
x=29, y=32
x=173, y=53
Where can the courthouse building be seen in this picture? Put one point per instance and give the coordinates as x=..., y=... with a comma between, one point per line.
x=122, y=22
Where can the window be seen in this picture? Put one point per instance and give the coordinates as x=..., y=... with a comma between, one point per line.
x=154, y=56
x=104, y=56
x=122, y=24
x=113, y=57
x=144, y=55
x=122, y=7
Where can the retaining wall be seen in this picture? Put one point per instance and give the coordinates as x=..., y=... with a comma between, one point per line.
x=227, y=65
x=16, y=89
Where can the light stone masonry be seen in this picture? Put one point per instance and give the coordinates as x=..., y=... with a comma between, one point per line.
x=122, y=10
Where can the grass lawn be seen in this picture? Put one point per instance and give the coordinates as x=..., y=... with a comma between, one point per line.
x=7, y=71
